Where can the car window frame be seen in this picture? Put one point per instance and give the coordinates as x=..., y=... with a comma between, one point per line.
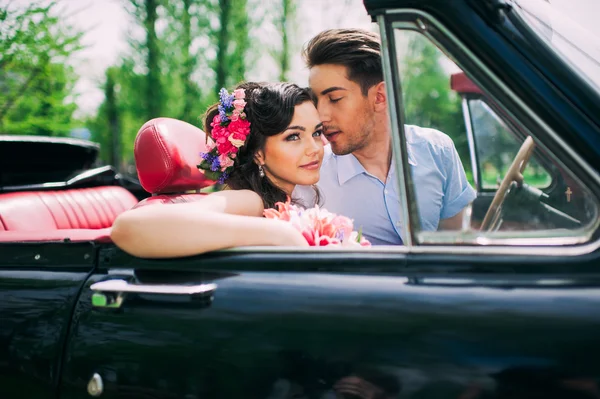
x=469, y=242
x=467, y=101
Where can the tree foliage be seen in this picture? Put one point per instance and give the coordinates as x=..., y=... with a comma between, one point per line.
x=428, y=99
x=36, y=84
x=288, y=10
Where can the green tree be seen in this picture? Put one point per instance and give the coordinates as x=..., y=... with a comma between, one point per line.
x=428, y=99
x=288, y=10
x=36, y=84
x=232, y=43
x=187, y=27
x=145, y=13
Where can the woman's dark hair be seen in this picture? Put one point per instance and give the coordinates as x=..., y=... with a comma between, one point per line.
x=269, y=109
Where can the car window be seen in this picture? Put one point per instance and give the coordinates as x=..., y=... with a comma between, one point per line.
x=496, y=146
x=461, y=146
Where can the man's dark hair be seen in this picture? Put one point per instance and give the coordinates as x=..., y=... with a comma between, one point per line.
x=356, y=49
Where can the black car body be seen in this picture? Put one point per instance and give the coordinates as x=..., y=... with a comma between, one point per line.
x=448, y=315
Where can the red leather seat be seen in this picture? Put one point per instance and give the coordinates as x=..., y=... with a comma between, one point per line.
x=28, y=215
x=167, y=152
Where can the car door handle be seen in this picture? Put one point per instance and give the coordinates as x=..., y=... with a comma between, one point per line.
x=110, y=293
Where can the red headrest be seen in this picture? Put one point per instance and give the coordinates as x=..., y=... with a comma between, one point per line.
x=166, y=154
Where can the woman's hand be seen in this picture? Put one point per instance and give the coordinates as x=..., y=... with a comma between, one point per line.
x=288, y=235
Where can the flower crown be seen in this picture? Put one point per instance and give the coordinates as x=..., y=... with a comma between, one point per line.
x=229, y=132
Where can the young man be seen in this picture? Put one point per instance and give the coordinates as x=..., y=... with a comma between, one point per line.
x=358, y=179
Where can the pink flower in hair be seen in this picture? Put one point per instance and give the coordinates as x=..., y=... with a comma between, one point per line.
x=229, y=132
x=239, y=94
x=225, y=161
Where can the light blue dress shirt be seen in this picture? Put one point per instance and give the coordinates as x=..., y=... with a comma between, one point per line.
x=440, y=182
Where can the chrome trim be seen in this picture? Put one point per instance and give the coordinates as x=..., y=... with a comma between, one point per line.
x=591, y=228
x=471, y=139
x=47, y=139
x=451, y=249
x=398, y=137
x=122, y=286
x=95, y=386
x=74, y=180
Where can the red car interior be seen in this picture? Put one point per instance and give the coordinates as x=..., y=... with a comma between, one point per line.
x=166, y=154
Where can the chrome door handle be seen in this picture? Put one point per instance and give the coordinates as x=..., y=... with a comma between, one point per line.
x=110, y=293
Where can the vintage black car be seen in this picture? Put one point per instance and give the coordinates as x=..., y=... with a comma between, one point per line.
x=508, y=307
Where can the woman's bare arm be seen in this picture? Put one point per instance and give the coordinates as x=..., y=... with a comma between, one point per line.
x=220, y=220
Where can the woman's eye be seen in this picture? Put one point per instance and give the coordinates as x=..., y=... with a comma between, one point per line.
x=293, y=137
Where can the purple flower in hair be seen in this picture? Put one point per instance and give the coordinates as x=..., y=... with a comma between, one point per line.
x=223, y=114
x=215, y=164
x=226, y=98
x=223, y=177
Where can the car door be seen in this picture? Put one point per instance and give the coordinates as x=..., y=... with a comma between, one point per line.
x=522, y=325
x=252, y=324
x=298, y=325
x=39, y=286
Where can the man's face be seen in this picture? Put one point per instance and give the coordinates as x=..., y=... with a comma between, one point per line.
x=347, y=115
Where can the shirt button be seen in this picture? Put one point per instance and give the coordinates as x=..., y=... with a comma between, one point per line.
x=385, y=191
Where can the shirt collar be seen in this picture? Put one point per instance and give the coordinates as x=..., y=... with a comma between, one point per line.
x=348, y=166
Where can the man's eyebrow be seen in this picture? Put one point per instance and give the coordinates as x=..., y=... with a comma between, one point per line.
x=329, y=90
x=317, y=127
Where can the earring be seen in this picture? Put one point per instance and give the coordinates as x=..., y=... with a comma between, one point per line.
x=261, y=171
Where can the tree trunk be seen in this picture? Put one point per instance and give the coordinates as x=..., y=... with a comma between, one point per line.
x=284, y=57
x=222, y=44
x=188, y=63
x=154, y=94
x=112, y=116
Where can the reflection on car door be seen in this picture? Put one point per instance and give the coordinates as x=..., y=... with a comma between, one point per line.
x=316, y=326
x=275, y=322
x=39, y=286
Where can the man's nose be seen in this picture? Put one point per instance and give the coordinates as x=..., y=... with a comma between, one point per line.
x=324, y=111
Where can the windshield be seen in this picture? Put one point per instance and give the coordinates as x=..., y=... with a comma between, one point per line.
x=571, y=29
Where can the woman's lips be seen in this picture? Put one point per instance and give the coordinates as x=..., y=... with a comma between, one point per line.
x=311, y=166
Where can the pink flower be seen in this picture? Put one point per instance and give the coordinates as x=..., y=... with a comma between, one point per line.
x=343, y=225
x=225, y=161
x=216, y=120
x=283, y=211
x=225, y=147
x=240, y=128
x=239, y=105
x=318, y=226
x=239, y=94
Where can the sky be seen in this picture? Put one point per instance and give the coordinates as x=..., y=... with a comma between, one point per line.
x=106, y=23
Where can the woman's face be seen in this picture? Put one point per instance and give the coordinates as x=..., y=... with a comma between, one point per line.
x=294, y=156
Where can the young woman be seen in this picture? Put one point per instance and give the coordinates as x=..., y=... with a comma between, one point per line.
x=267, y=139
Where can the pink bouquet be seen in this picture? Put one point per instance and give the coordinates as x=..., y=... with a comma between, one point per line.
x=318, y=226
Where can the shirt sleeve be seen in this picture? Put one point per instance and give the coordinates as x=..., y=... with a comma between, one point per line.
x=458, y=193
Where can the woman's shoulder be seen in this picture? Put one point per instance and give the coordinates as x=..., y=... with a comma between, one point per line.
x=244, y=202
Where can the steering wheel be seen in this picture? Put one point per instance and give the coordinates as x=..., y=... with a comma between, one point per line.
x=515, y=173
